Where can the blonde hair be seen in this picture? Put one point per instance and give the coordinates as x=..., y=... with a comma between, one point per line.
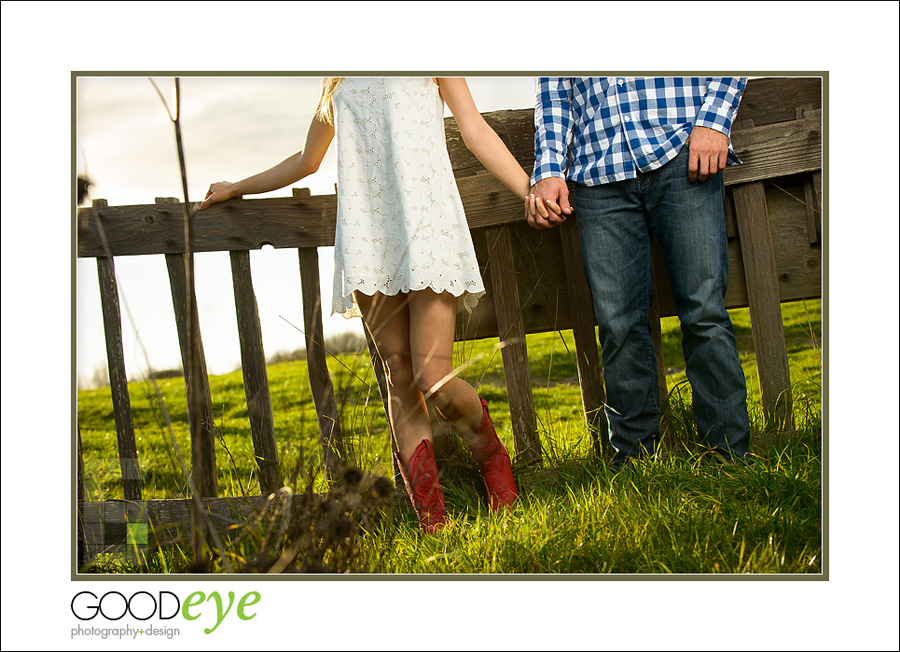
x=325, y=110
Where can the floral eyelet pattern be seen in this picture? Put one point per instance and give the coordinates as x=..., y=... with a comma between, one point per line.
x=400, y=222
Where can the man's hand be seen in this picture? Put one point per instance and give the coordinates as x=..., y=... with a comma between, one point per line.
x=548, y=204
x=708, y=153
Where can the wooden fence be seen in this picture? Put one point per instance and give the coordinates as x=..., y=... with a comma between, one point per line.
x=534, y=281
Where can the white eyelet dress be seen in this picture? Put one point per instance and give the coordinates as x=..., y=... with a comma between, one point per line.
x=400, y=220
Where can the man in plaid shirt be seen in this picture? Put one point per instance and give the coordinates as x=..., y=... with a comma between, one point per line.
x=644, y=156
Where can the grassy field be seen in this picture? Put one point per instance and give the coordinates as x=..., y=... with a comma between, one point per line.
x=679, y=514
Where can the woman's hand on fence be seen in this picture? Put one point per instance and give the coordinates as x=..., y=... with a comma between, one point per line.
x=220, y=191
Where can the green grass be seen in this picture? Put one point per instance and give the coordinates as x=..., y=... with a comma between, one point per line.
x=680, y=514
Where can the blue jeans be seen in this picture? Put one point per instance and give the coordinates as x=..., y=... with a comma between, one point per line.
x=615, y=222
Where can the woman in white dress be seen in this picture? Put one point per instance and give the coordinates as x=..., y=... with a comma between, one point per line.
x=404, y=256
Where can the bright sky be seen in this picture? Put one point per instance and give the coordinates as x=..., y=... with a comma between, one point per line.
x=232, y=127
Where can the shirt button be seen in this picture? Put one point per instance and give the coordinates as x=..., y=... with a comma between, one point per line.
x=627, y=118
x=621, y=82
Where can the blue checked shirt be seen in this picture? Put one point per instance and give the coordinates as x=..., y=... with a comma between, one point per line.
x=618, y=126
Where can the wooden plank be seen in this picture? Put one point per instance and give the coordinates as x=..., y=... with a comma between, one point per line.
x=256, y=379
x=169, y=521
x=203, y=456
x=776, y=150
x=812, y=186
x=80, y=546
x=235, y=225
x=774, y=99
x=765, y=310
x=730, y=223
x=812, y=190
x=514, y=352
x=799, y=263
x=118, y=381
x=319, y=377
x=590, y=372
x=540, y=278
x=79, y=471
x=487, y=202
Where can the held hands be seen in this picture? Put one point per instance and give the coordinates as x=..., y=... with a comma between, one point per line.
x=708, y=153
x=221, y=191
x=548, y=204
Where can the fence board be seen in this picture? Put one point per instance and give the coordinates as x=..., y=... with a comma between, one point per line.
x=80, y=496
x=765, y=309
x=774, y=99
x=775, y=150
x=231, y=226
x=169, y=521
x=319, y=378
x=253, y=368
x=812, y=186
x=118, y=382
x=514, y=351
x=205, y=482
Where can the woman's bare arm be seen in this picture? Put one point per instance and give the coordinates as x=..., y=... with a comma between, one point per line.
x=481, y=140
x=289, y=171
x=486, y=145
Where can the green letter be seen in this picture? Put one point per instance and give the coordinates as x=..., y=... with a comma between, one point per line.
x=219, y=615
x=246, y=603
x=190, y=602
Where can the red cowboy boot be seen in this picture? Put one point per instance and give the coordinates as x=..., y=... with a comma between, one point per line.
x=494, y=463
x=424, y=488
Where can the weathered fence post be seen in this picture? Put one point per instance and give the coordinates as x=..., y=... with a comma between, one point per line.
x=319, y=378
x=81, y=555
x=812, y=186
x=253, y=368
x=763, y=295
x=118, y=382
x=514, y=351
x=203, y=457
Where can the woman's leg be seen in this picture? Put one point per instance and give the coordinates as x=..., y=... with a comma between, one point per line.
x=388, y=319
x=432, y=320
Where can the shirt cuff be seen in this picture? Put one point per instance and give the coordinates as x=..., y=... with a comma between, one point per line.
x=712, y=120
x=545, y=169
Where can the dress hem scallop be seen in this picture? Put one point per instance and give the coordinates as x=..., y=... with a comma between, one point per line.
x=348, y=308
